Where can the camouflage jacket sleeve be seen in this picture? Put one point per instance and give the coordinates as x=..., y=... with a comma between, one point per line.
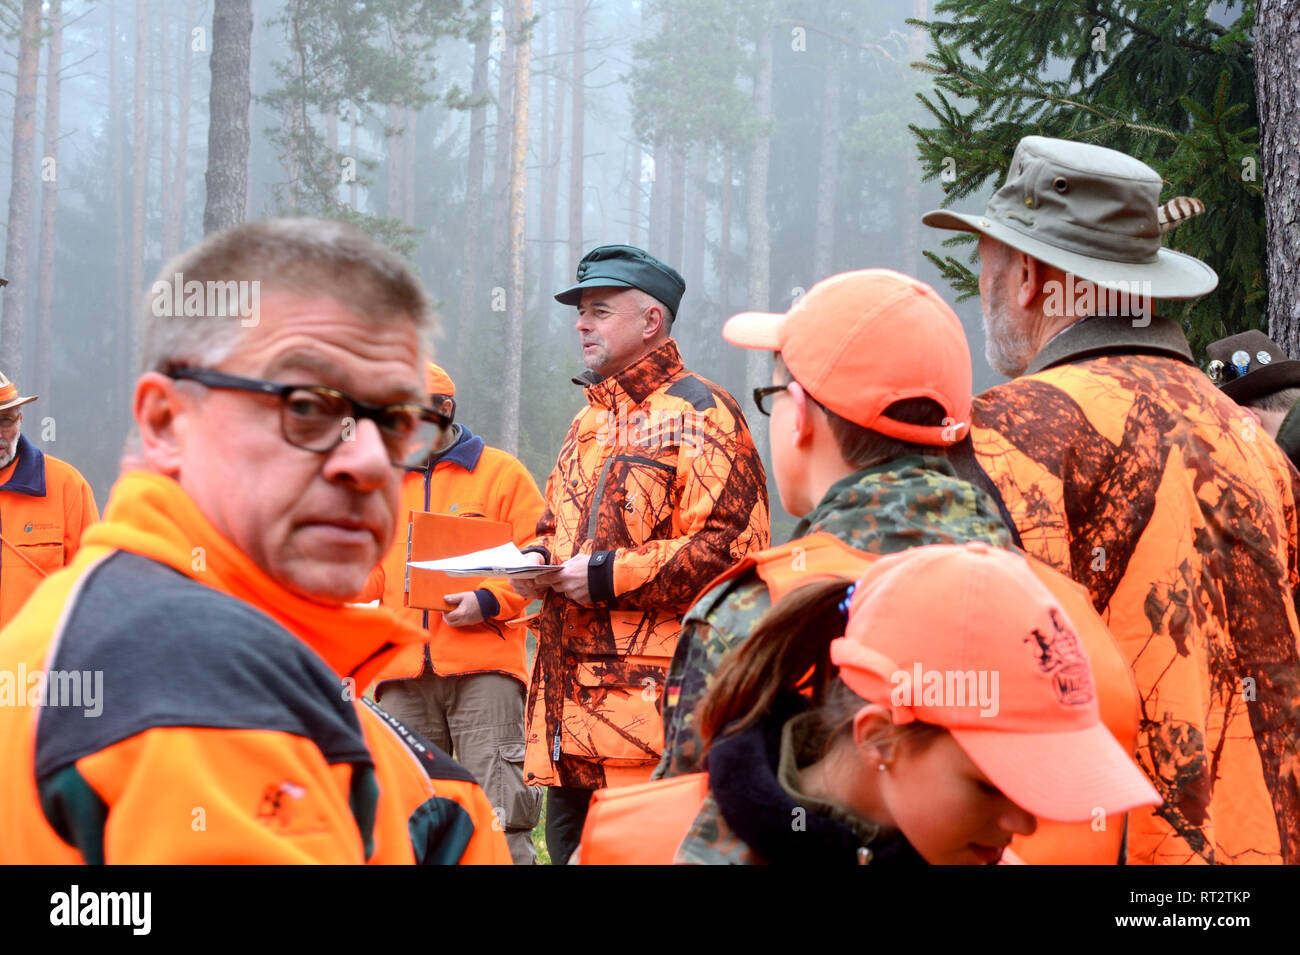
x=713, y=627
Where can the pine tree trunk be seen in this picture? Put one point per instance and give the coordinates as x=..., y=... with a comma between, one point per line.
x=49, y=198
x=228, y=136
x=182, y=132
x=759, y=281
x=553, y=102
x=393, y=205
x=518, y=205
x=21, y=197
x=827, y=169
x=474, y=188
x=724, y=235
x=354, y=186
x=677, y=207
x=120, y=317
x=693, y=266
x=167, y=215
x=408, y=166
x=139, y=180
x=659, y=202
x=501, y=157
x=577, y=145
x=634, y=194
x=1277, y=85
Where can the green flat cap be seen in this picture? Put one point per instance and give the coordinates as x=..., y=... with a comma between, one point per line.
x=625, y=266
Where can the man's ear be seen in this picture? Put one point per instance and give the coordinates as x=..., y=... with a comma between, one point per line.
x=653, y=316
x=157, y=405
x=1031, y=276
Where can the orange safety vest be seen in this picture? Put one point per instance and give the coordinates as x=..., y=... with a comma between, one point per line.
x=45, y=504
x=492, y=485
x=1096, y=842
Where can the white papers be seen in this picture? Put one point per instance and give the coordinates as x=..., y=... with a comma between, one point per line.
x=504, y=560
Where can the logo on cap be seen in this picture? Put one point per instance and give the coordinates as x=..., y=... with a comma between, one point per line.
x=1060, y=655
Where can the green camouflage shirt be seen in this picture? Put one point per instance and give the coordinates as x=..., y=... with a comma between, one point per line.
x=908, y=502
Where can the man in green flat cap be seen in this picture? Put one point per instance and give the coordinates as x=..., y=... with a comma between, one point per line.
x=658, y=489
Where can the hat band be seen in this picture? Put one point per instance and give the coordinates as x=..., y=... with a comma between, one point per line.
x=1052, y=222
x=8, y=391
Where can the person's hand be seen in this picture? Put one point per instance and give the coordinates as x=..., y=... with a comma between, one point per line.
x=465, y=610
x=531, y=588
x=570, y=579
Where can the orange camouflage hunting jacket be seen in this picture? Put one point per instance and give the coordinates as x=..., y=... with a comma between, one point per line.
x=1123, y=466
x=659, y=481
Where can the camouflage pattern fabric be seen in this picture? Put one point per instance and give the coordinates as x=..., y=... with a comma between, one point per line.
x=1135, y=476
x=908, y=502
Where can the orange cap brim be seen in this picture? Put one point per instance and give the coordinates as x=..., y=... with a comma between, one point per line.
x=1066, y=777
x=757, y=330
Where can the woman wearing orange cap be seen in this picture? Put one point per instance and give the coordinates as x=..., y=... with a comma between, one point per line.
x=955, y=708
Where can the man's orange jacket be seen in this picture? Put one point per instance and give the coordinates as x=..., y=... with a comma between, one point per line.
x=1124, y=467
x=45, y=504
x=659, y=483
x=469, y=479
x=164, y=701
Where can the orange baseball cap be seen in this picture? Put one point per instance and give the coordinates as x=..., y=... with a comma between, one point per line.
x=859, y=341
x=437, y=381
x=966, y=637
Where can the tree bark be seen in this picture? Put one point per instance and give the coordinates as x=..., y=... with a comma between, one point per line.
x=827, y=169
x=165, y=148
x=49, y=198
x=552, y=158
x=518, y=207
x=474, y=187
x=121, y=316
x=411, y=126
x=577, y=145
x=724, y=234
x=177, y=235
x=21, y=200
x=693, y=265
x=501, y=157
x=139, y=179
x=759, y=281
x=677, y=207
x=658, y=202
x=1277, y=86
x=228, y=135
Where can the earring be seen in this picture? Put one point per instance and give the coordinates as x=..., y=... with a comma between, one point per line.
x=881, y=767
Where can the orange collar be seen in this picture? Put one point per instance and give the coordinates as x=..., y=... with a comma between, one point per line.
x=148, y=514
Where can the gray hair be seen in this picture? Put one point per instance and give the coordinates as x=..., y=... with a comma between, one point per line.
x=1282, y=400
x=199, y=306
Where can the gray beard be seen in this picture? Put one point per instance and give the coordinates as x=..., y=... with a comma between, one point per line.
x=1007, y=350
x=7, y=457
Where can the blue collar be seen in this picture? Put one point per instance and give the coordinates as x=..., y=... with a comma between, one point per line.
x=29, y=475
x=466, y=450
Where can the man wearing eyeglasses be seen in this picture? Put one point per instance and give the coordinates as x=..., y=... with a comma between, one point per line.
x=657, y=489
x=45, y=504
x=200, y=699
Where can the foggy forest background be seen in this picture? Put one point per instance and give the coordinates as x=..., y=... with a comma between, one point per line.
x=757, y=147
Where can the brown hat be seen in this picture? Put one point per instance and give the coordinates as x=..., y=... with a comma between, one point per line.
x=9, y=397
x=1249, y=366
x=1089, y=211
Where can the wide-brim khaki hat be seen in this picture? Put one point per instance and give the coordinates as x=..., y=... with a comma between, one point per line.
x=9, y=397
x=1089, y=211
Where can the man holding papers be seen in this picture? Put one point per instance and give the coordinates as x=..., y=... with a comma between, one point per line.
x=657, y=489
x=464, y=688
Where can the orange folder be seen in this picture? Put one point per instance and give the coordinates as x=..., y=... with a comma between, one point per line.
x=435, y=536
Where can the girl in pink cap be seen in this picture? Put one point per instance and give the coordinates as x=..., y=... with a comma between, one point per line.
x=955, y=708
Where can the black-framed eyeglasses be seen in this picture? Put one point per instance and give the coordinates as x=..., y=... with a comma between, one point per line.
x=762, y=396
x=317, y=418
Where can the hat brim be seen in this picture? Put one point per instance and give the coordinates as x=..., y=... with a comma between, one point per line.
x=1065, y=777
x=758, y=330
x=16, y=402
x=1172, y=275
x=573, y=294
x=1263, y=381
